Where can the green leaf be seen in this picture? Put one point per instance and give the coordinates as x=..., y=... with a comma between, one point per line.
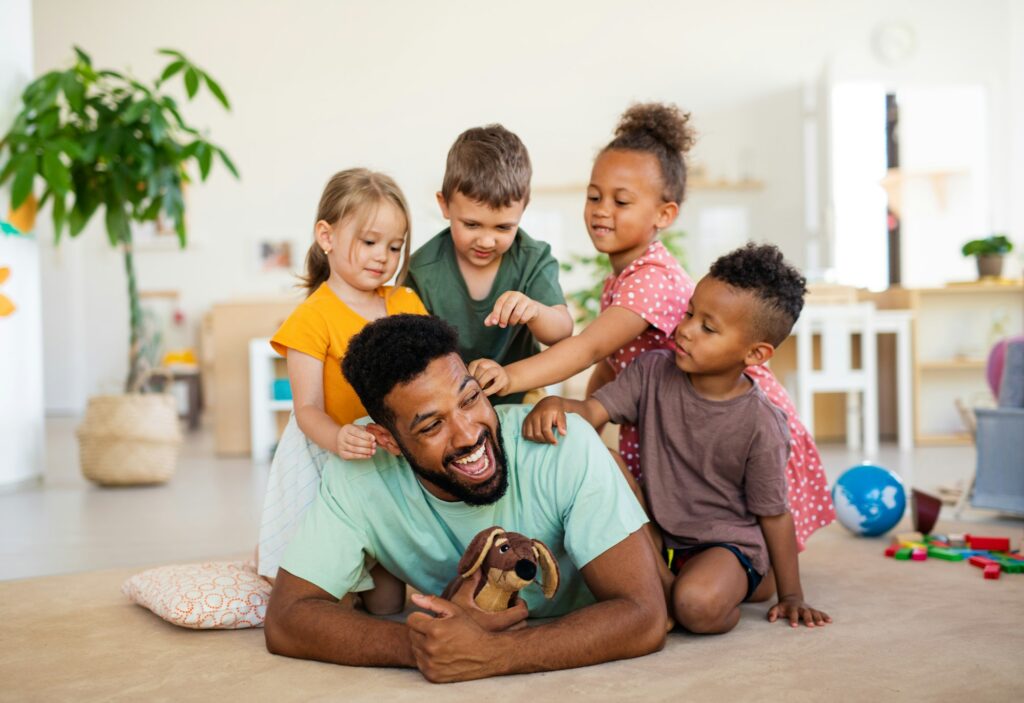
x=74, y=91
x=171, y=52
x=205, y=156
x=83, y=57
x=69, y=147
x=227, y=162
x=135, y=111
x=171, y=69
x=191, y=82
x=117, y=224
x=59, y=215
x=217, y=91
x=55, y=172
x=24, y=175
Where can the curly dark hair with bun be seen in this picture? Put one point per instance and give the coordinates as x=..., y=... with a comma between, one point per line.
x=394, y=350
x=761, y=270
x=664, y=132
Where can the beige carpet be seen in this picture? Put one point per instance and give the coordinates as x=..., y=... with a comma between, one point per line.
x=903, y=631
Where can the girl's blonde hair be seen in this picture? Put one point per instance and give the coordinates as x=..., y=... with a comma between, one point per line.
x=354, y=192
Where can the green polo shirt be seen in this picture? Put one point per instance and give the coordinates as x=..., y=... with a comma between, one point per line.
x=571, y=496
x=527, y=267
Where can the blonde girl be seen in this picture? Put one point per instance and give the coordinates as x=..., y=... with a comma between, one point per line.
x=361, y=239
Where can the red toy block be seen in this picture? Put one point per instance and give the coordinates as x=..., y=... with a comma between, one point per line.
x=919, y=555
x=1018, y=557
x=992, y=571
x=982, y=562
x=890, y=551
x=996, y=544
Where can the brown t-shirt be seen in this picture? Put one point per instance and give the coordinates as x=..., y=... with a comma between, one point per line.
x=710, y=467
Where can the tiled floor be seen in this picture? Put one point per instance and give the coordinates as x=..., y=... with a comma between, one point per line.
x=211, y=507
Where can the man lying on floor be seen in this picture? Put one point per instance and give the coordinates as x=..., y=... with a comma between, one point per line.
x=453, y=467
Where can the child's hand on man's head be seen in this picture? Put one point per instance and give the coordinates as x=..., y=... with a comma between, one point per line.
x=795, y=610
x=491, y=376
x=354, y=442
x=513, y=308
x=546, y=416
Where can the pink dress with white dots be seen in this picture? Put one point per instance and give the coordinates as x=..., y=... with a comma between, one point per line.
x=655, y=287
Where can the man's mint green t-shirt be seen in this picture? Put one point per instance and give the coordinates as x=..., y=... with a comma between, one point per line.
x=527, y=267
x=571, y=496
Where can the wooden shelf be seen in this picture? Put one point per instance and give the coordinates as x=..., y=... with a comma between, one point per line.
x=953, y=364
x=994, y=285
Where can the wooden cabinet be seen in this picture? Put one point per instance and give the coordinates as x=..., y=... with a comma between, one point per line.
x=230, y=327
x=955, y=327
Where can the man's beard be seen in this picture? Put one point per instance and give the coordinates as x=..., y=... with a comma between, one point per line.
x=481, y=494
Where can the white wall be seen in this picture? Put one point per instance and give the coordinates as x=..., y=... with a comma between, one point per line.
x=21, y=334
x=319, y=86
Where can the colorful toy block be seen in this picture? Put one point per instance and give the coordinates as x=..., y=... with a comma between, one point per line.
x=957, y=540
x=992, y=571
x=909, y=537
x=903, y=554
x=999, y=544
x=981, y=562
x=890, y=551
x=945, y=554
x=919, y=554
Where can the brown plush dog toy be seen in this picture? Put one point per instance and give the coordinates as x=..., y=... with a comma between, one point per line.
x=509, y=562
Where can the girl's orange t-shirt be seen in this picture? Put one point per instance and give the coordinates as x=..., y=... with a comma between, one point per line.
x=322, y=326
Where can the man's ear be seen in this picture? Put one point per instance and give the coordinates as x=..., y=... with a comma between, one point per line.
x=443, y=204
x=759, y=354
x=384, y=438
x=667, y=214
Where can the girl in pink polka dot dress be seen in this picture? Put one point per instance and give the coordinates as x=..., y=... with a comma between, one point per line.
x=636, y=187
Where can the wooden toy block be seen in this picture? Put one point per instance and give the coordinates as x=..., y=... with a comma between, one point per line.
x=890, y=551
x=946, y=554
x=903, y=554
x=909, y=537
x=914, y=545
x=992, y=571
x=1011, y=566
x=919, y=554
x=957, y=540
x=999, y=544
x=981, y=562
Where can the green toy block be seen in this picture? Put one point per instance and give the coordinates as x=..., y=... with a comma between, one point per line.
x=903, y=554
x=947, y=554
x=1011, y=566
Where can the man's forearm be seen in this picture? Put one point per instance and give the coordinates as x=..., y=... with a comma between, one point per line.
x=606, y=631
x=332, y=632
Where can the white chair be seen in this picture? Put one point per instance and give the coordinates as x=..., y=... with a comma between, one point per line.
x=836, y=325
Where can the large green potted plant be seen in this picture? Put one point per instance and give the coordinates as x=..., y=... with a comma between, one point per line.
x=989, y=253
x=104, y=140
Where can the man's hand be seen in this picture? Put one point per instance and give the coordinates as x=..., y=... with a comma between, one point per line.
x=513, y=308
x=548, y=414
x=453, y=646
x=491, y=376
x=795, y=609
x=354, y=442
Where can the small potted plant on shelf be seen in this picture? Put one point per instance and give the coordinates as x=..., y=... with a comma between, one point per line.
x=100, y=139
x=989, y=253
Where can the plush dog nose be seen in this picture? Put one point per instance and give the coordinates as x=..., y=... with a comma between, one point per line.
x=526, y=569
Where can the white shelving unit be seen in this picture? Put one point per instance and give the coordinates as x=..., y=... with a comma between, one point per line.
x=263, y=409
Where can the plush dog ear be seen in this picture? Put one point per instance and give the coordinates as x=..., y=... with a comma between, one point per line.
x=477, y=551
x=548, y=566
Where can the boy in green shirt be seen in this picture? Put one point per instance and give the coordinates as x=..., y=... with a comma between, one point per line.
x=484, y=275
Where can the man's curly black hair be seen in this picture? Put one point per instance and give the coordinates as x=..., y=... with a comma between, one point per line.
x=761, y=270
x=394, y=350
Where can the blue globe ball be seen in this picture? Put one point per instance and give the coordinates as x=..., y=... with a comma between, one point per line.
x=869, y=500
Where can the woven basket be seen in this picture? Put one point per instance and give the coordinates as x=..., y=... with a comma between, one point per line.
x=129, y=440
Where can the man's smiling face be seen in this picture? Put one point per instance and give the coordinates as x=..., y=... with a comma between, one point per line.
x=448, y=431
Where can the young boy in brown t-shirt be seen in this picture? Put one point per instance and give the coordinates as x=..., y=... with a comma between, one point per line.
x=713, y=447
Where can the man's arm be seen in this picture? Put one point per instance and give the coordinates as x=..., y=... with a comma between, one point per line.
x=307, y=622
x=628, y=620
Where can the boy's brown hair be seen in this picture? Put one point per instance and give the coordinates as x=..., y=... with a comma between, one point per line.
x=489, y=165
